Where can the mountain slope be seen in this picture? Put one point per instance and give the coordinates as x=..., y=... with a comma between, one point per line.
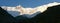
x=5, y=17
x=51, y=15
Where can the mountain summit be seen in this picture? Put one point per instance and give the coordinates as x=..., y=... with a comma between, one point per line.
x=30, y=11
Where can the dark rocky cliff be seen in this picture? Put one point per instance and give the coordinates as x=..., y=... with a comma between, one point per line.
x=5, y=17
x=51, y=15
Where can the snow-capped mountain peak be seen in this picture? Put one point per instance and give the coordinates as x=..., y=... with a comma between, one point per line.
x=28, y=10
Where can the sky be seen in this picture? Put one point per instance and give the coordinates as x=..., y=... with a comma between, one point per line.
x=26, y=3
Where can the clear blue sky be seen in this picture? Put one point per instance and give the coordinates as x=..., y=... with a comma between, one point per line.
x=25, y=3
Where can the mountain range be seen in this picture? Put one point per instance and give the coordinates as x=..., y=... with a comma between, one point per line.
x=40, y=9
x=51, y=14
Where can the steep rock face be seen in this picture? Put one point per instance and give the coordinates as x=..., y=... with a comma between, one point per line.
x=51, y=15
x=5, y=17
